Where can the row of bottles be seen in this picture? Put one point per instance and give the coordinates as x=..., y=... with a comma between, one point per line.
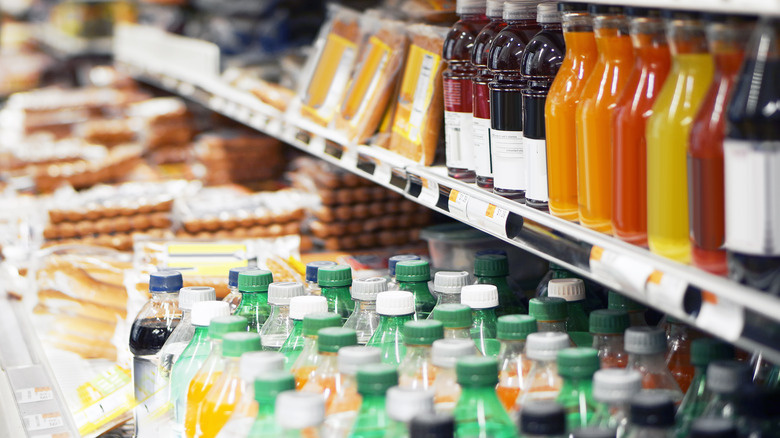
x=620, y=118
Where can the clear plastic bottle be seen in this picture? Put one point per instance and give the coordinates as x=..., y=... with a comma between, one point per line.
x=513, y=366
x=335, y=282
x=413, y=276
x=299, y=414
x=392, y=282
x=432, y=426
x=306, y=363
x=444, y=354
x=543, y=419
x=478, y=412
x=573, y=291
x=340, y=414
x=253, y=285
x=713, y=428
x=494, y=269
x=544, y=382
x=364, y=320
x=323, y=380
x=651, y=415
x=234, y=296
x=279, y=325
x=403, y=404
x=551, y=314
x=456, y=319
x=725, y=378
x=267, y=387
x=607, y=327
x=447, y=285
x=394, y=309
x=299, y=308
x=613, y=390
x=312, y=270
x=576, y=367
x=646, y=347
x=185, y=330
x=483, y=300
x=678, y=352
x=636, y=310
x=416, y=370
x=373, y=382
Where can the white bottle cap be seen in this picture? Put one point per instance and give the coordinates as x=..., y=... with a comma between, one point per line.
x=479, y=296
x=520, y=9
x=204, y=311
x=570, y=289
x=355, y=356
x=616, y=385
x=404, y=403
x=545, y=345
x=645, y=340
x=548, y=13
x=255, y=363
x=450, y=282
x=445, y=352
x=495, y=8
x=192, y=294
x=304, y=305
x=299, y=410
x=280, y=293
x=367, y=289
x=395, y=303
x=470, y=7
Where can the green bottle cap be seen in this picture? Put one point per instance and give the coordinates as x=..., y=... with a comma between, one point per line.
x=334, y=276
x=618, y=301
x=376, y=379
x=491, y=265
x=580, y=362
x=548, y=309
x=413, y=270
x=453, y=315
x=269, y=385
x=422, y=332
x=255, y=280
x=313, y=322
x=237, y=343
x=706, y=350
x=609, y=321
x=515, y=327
x=330, y=339
x=474, y=371
x=219, y=327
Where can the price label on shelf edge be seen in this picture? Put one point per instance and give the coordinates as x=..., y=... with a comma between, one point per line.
x=487, y=216
x=666, y=291
x=429, y=194
x=458, y=204
x=721, y=316
x=630, y=273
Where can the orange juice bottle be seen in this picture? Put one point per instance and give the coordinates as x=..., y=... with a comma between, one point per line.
x=561, y=105
x=307, y=362
x=444, y=354
x=543, y=382
x=513, y=366
x=594, y=114
x=668, y=130
x=329, y=341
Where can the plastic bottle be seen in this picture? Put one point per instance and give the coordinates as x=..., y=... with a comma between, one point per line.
x=279, y=325
x=678, y=352
x=253, y=285
x=506, y=102
x=636, y=310
x=633, y=107
x=373, y=382
x=394, y=309
x=234, y=296
x=560, y=109
x=444, y=354
x=727, y=36
x=185, y=329
x=483, y=162
x=544, y=382
x=651, y=415
x=483, y=300
x=312, y=270
x=403, y=404
x=413, y=276
x=334, y=282
x=646, y=347
x=208, y=373
x=392, y=282
x=513, y=366
x=447, y=285
x=150, y=329
x=299, y=308
x=416, y=370
x=607, y=327
x=329, y=341
x=573, y=291
x=364, y=320
x=668, y=130
x=551, y=314
x=751, y=144
x=713, y=428
x=725, y=378
x=478, y=411
x=341, y=413
x=267, y=387
x=299, y=414
x=494, y=269
x=576, y=367
x=304, y=366
x=456, y=319
x=457, y=86
x=432, y=426
x=594, y=432
x=758, y=411
x=542, y=58
x=613, y=390
x=543, y=419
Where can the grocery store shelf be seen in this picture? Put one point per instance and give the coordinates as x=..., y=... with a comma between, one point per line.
x=720, y=306
x=743, y=7
x=64, y=46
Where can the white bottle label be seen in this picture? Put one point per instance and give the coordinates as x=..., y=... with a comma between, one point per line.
x=480, y=135
x=536, y=165
x=457, y=131
x=508, y=159
x=752, y=181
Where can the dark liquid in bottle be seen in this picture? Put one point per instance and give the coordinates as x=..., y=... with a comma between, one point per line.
x=147, y=336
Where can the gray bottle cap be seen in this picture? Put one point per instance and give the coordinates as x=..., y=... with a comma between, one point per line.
x=616, y=385
x=450, y=282
x=727, y=376
x=280, y=293
x=299, y=410
x=366, y=289
x=255, y=363
x=445, y=352
x=545, y=345
x=645, y=340
x=404, y=403
x=193, y=294
x=353, y=357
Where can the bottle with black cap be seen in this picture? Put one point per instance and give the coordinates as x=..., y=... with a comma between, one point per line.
x=713, y=428
x=432, y=426
x=651, y=416
x=724, y=380
x=543, y=419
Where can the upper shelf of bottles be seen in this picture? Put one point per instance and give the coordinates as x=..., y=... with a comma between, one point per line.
x=743, y=7
x=747, y=317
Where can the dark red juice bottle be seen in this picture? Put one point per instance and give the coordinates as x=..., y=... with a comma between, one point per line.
x=542, y=58
x=480, y=134
x=458, y=98
x=751, y=154
x=727, y=36
x=506, y=99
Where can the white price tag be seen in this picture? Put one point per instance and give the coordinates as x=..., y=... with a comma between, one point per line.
x=630, y=273
x=43, y=421
x=382, y=172
x=458, y=203
x=666, y=290
x=32, y=395
x=721, y=316
x=243, y=114
x=258, y=122
x=349, y=158
x=487, y=216
x=429, y=195
x=217, y=103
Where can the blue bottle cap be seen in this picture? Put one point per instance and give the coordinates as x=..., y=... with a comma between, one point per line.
x=493, y=251
x=233, y=275
x=165, y=281
x=392, y=261
x=313, y=267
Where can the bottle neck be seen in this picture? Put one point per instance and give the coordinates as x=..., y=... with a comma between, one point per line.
x=552, y=27
x=472, y=16
x=612, y=341
x=579, y=384
x=279, y=311
x=201, y=335
x=186, y=317
x=457, y=333
x=417, y=350
x=687, y=37
x=576, y=22
x=511, y=348
x=393, y=321
x=521, y=22
x=334, y=290
x=652, y=362
x=249, y=299
x=484, y=392
x=483, y=315
x=231, y=365
x=551, y=326
x=365, y=306
x=265, y=406
x=499, y=282
x=414, y=286
x=448, y=298
x=165, y=297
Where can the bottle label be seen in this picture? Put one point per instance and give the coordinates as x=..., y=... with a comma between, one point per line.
x=365, y=87
x=330, y=78
x=480, y=134
x=508, y=159
x=536, y=168
x=416, y=94
x=457, y=131
x=752, y=184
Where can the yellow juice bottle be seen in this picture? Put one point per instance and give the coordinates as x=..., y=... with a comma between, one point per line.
x=667, y=133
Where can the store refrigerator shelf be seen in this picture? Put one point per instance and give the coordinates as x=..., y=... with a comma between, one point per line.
x=747, y=7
